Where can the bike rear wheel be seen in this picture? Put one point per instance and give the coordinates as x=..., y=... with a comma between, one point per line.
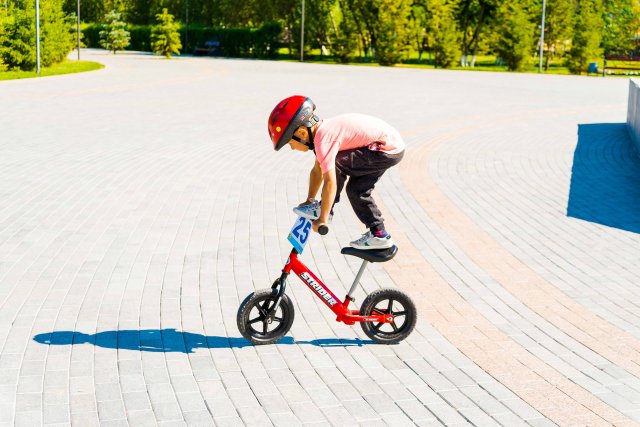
x=389, y=301
x=255, y=321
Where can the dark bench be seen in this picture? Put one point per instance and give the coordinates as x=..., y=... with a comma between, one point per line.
x=632, y=63
x=210, y=48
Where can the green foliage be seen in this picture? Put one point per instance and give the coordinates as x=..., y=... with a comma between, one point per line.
x=558, y=28
x=514, y=32
x=165, y=38
x=586, y=36
x=140, y=37
x=446, y=39
x=621, y=24
x=57, y=33
x=576, y=31
x=262, y=42
x=393, y=35
x=473, y=17
x=114, y=37
x=265, y=39
x=344, y=34
x=18, y=35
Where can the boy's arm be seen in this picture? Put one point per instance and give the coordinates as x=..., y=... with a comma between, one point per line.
x=328, y=196
x=315, y=180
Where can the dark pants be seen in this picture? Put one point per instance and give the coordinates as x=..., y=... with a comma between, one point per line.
x=363, y=168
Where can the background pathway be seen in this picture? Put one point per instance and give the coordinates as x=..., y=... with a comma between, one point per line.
x=142, y=202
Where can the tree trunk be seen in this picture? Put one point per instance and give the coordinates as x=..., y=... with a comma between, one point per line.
x=476, y=36
x=465, y=25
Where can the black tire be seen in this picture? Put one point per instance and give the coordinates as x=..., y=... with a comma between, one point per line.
x=253, y=323
x=384, y=301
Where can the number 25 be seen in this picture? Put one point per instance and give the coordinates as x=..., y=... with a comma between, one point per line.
x=302, y=230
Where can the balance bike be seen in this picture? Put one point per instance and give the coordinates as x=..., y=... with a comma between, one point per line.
x=387, y=316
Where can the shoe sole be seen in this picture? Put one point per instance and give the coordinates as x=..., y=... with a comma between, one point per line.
x=371, y=247
x=305, y=215
x=311, y=216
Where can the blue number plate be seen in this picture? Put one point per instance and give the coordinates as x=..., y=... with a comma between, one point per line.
x=299, y=234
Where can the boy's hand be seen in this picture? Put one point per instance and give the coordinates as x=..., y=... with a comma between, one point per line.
x=316, y=224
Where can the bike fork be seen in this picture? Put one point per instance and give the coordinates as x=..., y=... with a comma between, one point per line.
x=281, y=282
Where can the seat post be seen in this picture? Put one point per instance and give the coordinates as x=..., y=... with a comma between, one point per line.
x=357, y=279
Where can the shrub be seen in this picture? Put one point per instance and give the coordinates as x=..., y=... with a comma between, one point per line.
x=443, y=35
x=57, y=34
x=265, y=39
x=165, y=38
x=392, y=42
x=17, y=38
x=515, y=36
x=260, y=42
x=114, y=37
x=18, y=35
x=586, y=36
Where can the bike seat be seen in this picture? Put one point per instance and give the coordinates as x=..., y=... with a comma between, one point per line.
x=372, y=255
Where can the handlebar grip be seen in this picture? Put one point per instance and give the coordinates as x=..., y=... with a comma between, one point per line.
x=323, y=229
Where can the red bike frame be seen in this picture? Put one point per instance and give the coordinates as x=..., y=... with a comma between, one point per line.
x=341, y=309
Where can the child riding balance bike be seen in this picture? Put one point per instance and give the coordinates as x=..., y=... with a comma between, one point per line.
x=359, y=148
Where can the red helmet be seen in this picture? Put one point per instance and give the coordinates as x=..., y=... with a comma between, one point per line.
x=289, y=115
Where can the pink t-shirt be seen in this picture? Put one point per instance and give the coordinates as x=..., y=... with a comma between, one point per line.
x=349, y=131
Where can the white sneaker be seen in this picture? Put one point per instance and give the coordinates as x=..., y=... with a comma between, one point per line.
x=369, y=241
x=310, y=211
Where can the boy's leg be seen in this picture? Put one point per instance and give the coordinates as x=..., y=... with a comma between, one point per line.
x=341, y=178
x=347, y=162
x=359, y=190
x=362, y=182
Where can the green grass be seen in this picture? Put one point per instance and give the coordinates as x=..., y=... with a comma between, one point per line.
x=66, y=67
x=483, y=63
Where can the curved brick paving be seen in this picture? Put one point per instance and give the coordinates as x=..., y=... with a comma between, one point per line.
x=142, y=203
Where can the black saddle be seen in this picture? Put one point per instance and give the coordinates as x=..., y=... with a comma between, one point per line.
x=372, y=255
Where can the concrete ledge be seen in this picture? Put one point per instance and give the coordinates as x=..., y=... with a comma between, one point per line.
x=633, y=114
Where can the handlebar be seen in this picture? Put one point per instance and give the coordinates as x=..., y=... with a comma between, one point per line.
x=323, y=229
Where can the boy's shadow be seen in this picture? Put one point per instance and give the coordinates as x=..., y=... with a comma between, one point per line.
x=169, y=340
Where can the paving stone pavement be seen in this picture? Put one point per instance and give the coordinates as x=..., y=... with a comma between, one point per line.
x=141, y=203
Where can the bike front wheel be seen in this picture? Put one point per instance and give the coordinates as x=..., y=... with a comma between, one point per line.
x=396, y=303
x=255, y=319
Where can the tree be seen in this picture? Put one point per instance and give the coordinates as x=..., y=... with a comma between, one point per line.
x=446, y=39
x=421, y=24
x=558, y=27
x=392, y=42
x=621, y=23
x=18, y=37
x=587, y=34
x=57, y=33
x=473, y=17
x=343, y=40
x=514, y=32
x=114, y=37
x=317, y=23
x=365, y=18
x=165, y=38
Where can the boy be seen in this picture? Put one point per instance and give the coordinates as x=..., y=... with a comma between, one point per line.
x=354, y=146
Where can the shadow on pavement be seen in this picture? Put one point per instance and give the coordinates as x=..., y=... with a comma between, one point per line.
x=169, y=340
x=605, y=178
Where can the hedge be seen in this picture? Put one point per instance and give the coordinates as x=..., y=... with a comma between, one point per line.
x=260, y=42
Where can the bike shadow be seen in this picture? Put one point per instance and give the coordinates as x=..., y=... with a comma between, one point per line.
x=171, y=341
x=605, y=177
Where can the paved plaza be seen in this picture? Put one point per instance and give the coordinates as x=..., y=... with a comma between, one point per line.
x=141, y=203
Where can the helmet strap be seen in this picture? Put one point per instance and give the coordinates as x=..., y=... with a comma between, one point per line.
x=310, y=144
